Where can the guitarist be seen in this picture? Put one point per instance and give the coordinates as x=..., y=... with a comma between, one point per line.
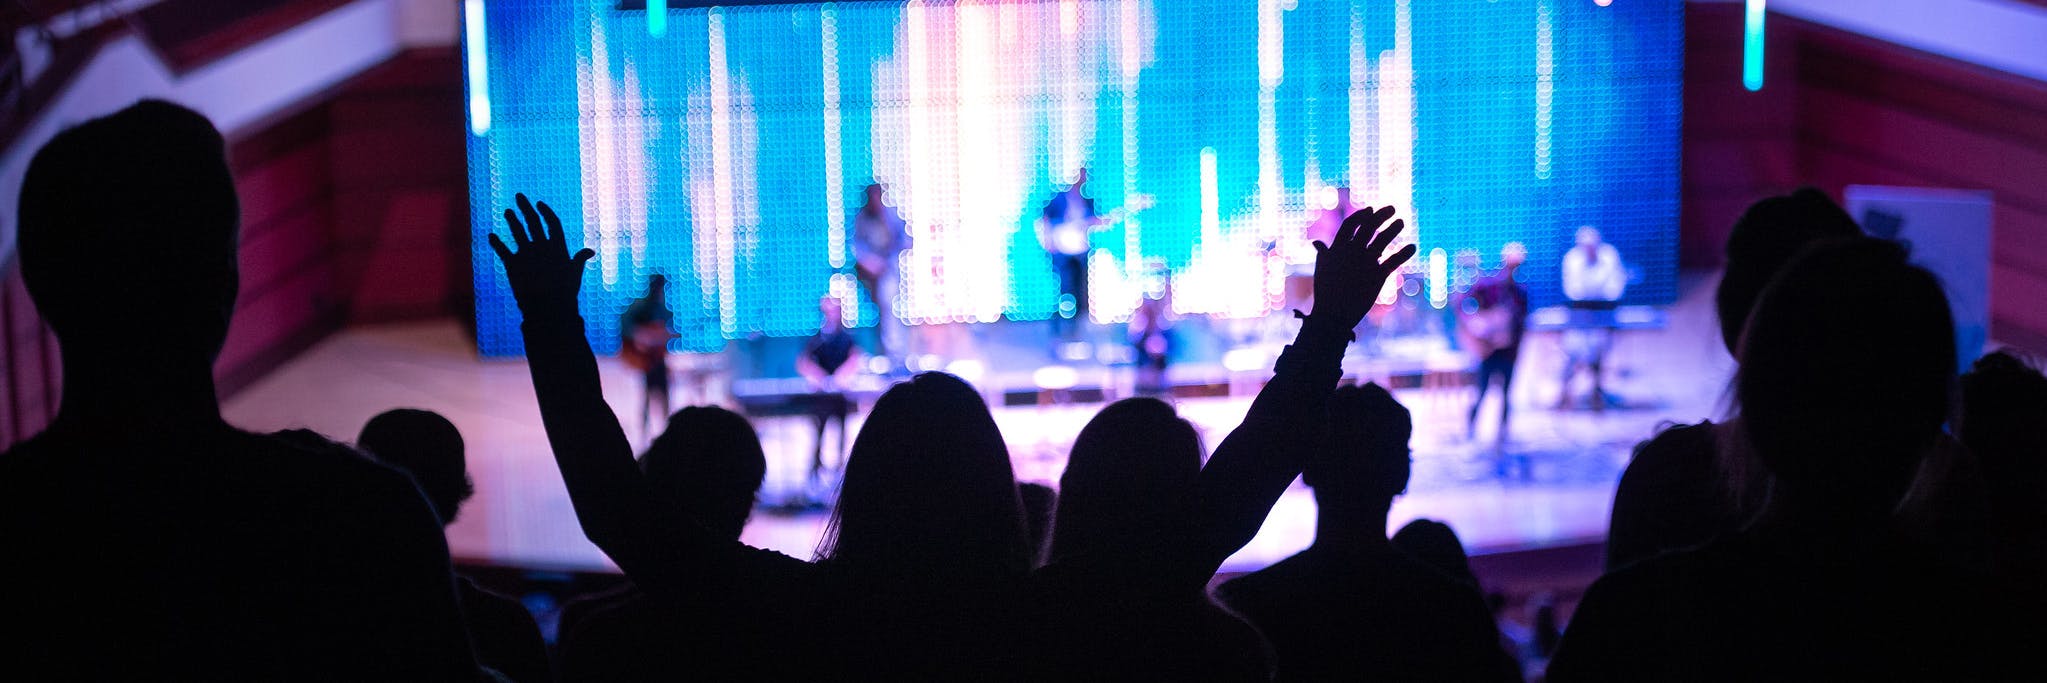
x=1066, y=231
x=1491, y=318
x=643, y=334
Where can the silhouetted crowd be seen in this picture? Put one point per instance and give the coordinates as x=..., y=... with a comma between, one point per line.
x=1862, y=514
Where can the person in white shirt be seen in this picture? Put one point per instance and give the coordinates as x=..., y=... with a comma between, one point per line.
x=1593, y=276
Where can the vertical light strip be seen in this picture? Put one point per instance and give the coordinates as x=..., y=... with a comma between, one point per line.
x=1439, y=272
x=479, y=66
x=657, y=18
x=1131, y=60
x=1545, y=71
x=1396, y=134
x=1752, y=47
x=1211, y=203
x=599, y=130
x=1271, y=68
x=721, y=169
x=834, y=169
x=977, y=110
x=921, y=178
x=1069, y=161
x=1361, y=129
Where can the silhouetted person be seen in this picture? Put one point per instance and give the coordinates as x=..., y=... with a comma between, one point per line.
x=643, y=334
x=922, y=565
x=147, y=539
x=1127, y=504
x=2004, y=422
x=829, y=360
x=923, y=569
x=880, y=236
x=1847, y=365
x=427, y=446
x=711, y=460
x=1689, y=484
x=1039, y=501
x=1491, y=320
x=1352, y=606
x=1437, y=545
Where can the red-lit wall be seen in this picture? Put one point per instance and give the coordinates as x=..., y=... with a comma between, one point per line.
x=1840, y=109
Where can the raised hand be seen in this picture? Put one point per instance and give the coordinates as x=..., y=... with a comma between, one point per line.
x=1350, y=272
x=544, y=277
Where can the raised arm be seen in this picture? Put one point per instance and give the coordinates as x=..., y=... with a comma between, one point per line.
x=1258, y=460
x=619, y=510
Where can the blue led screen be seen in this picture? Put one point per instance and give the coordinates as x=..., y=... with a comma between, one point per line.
x=728, y=151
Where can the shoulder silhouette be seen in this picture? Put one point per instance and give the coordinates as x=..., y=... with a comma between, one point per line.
x=168, y=544
x=1847, y=366
x=1688, y=484
x=1353, y=606
x=425, y=445
x=1126, y=501
x=709, y=462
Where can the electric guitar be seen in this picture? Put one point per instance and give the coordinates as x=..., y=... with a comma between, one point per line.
x=1072, y=237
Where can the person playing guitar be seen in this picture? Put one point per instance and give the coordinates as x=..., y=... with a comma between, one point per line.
x=1491, y=319
x=880, y=236
x=1066, y=231
x=643, y=335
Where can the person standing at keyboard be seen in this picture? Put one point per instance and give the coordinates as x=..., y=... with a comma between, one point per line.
x=828, y=361
x=1594, y=278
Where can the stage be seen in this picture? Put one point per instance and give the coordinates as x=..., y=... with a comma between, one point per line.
x=1551, y=484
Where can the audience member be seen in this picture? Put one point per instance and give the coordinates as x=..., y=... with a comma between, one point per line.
x=147, y=538
x=1437, y=545
x=923, y=569
x=1352, y=606
x=2004, y=422
x=711, y=460
x=1847, y=365
x=427, y=446
x=1689, y=483
x=1128, y=496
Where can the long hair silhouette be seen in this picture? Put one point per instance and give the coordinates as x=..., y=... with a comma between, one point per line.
x=928, y=491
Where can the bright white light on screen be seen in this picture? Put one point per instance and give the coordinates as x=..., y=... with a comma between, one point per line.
x=479, y=67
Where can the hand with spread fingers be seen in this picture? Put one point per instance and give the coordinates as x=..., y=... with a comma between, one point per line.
x=1350, y=272
x=544, y=277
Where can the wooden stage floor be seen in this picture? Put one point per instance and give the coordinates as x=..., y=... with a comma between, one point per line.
x=1563, y=464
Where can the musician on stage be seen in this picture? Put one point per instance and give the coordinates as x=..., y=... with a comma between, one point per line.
x=1066, y=230
x=879, y=237
x=829, y=360
x=643, y=334
x=1594, y=278
x=1150, y=335
x=1491, y=319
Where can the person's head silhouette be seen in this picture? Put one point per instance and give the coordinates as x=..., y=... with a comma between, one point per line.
x=1847, y=365
x=129, y=227
x=2003, y=400
x=427, y=446
x=1128, y=482
x=928, y=492
x=1366, y=463
x=1437, y=545
x=1766, y=237
x=710, y=461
